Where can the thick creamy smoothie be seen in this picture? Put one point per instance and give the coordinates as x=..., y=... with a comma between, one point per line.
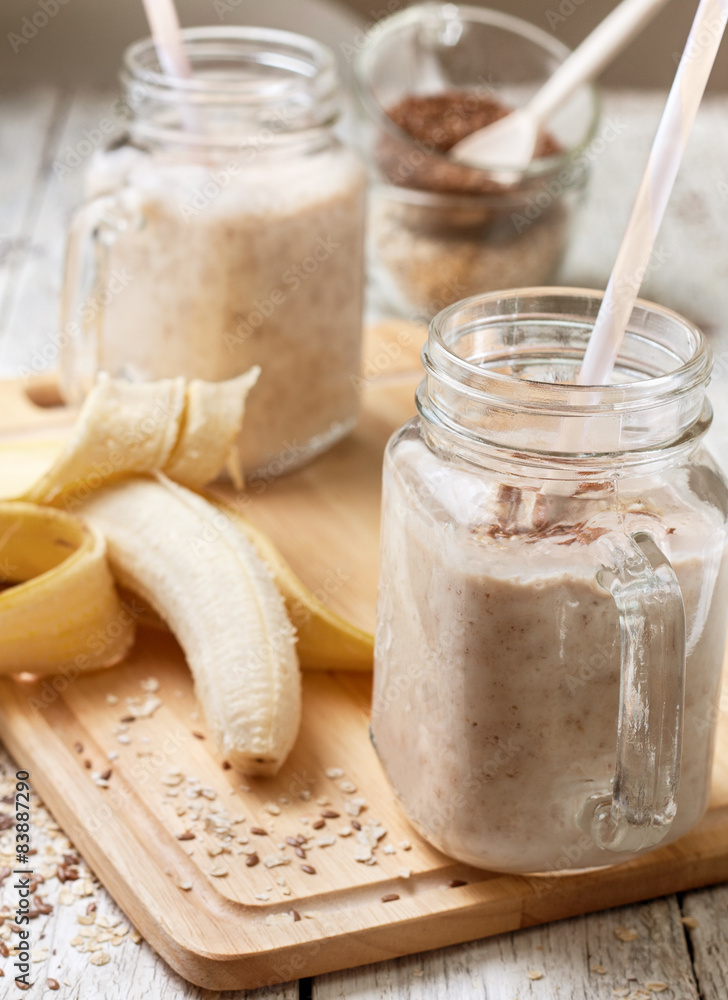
x=498, y=658
x=232, y=266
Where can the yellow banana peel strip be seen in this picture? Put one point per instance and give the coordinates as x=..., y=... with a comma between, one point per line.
x=58, y=602
x=186, y=430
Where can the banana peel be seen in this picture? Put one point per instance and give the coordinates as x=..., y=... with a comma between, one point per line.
x=326, y=641
x=58, y=602
x=187, y=430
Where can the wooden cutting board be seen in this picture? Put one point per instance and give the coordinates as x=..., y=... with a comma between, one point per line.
x=238, y=930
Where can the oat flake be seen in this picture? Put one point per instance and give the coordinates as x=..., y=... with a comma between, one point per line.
x=100, y=958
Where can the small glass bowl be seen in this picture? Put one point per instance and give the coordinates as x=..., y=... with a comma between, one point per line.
x=439, y=231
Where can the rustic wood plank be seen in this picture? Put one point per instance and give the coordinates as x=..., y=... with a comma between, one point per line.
x=688, y=268
x=579, y=959
x=31, y=316
x=129, y=962
x=26, y=118
x=706, y=919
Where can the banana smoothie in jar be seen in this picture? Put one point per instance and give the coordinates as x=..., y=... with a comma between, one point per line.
x=235, y=218
x=553, y=591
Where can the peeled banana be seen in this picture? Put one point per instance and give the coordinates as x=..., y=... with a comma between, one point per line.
x=58, y=603
x=191, y=564
x=326, y=641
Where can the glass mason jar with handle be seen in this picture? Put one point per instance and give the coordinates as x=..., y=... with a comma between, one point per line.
x=553, y=588
x=225, y=231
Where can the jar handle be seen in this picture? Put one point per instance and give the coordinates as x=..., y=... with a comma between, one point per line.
x=94, y=229
x=640, y=810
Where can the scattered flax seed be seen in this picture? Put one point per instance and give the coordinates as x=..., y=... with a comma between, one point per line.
x=87, y=764
x=252, y=860
x=100, y=958
x=259, y=831
x=309, y=869
x=455, y=883
x=226, y=765
x=656, y=987
x=534, y=974
x=292, y=841
x=91, y=908
x=105, y=775
x=599, y=969
x=187, y=835
x=272, y=808
x=329, y=814
x=300, y=852
x=53, y=984
x=198, y=735
x=356, y=825
x=78, y=747
x=296, y=916
x=390, y=897
x=690, y=922
x=319, y=824
x=626, y=934
x=21, y=985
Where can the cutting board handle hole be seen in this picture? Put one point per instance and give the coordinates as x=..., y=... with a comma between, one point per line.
x=44, y=391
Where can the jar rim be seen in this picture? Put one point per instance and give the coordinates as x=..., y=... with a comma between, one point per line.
x=570, y=398
x=411, y=15
x=139, y=57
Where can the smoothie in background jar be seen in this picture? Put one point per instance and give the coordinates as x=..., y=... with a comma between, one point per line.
x=242, y=237
x=504, y=594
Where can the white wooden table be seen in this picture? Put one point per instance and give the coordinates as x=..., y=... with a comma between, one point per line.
x=678, y=941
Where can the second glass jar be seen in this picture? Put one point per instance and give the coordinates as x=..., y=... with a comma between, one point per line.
x=226, y=231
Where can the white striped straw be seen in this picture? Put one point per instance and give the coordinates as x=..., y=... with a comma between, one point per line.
x=171, y=51
x=649, y=208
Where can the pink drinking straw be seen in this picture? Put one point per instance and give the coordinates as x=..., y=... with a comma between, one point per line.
x=649, y=208
x=171, y=51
